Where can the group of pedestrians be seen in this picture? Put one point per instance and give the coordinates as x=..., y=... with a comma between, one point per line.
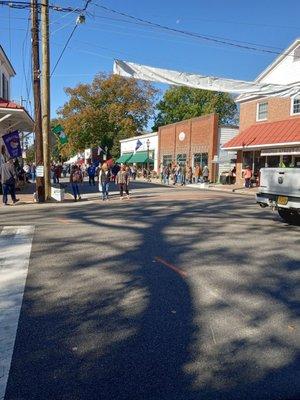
x=106, y=175
x=182, y=174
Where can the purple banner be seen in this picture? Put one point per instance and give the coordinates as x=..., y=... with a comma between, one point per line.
x=12, y=143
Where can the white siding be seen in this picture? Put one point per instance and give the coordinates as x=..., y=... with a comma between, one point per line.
x=128, y=145
x=225, y=134
x=287, y=71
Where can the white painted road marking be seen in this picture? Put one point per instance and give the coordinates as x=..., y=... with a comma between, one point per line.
x=15, y=249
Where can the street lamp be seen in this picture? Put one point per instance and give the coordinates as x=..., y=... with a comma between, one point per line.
x=148, y=171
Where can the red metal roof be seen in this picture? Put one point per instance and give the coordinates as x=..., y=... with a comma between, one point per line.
x=267, y=133
x=10, y=104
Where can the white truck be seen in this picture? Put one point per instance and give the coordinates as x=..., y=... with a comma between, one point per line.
x=280, y=189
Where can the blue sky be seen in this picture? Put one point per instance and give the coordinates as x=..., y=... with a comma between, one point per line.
x=268, y=23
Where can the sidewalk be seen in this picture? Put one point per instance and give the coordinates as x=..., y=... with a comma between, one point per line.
x=237, y=189
x=226, y=188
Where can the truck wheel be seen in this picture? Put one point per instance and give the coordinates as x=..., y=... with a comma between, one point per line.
x=290, y=216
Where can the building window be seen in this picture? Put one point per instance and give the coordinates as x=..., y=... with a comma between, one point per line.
x=273, y=161
x=201, y=159
x=262, y=111
x=181, y=159
x=296, y=105
x=5, y=94
x=167, y=160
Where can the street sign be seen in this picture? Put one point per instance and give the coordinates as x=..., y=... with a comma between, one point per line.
x=40, y=171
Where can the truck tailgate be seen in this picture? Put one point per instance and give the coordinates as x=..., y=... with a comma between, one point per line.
x=280, y=181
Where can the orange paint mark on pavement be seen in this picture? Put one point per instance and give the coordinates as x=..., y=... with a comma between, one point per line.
x=63, y=220
x=172, y=267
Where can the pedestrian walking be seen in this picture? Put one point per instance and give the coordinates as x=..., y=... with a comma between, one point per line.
x=123, y=181
x=75, y=179
x=205, y=173
x=190, y=175
x=104, y=180
x=33, y=172
x=197, y=173
x=91, y=171
x=247, y=177
x=183, y=175
x=8, y=180
x=166, y=174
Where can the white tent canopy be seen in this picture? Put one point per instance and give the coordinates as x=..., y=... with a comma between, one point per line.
x=146, y=73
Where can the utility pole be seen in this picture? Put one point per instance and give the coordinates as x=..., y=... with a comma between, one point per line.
x=46, y=95
x=40, y=189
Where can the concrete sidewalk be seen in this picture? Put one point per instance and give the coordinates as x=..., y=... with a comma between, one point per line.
x=213, y=187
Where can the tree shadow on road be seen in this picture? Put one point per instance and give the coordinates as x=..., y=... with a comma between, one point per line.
x=102, y=318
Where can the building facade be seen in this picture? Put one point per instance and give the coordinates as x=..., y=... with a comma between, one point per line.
x=147, y=144
x=197, y=141
x=270, y=127
x=12, y=115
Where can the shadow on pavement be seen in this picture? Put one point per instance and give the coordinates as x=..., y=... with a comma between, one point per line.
x=103, y=319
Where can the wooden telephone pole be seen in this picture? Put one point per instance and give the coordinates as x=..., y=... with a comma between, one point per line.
x=40, y=187
x=46, y=94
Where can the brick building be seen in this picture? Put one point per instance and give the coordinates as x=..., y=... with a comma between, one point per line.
x=270, y=127
x=197, y=140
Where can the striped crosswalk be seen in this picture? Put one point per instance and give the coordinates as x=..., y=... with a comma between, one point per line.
x=15, y=249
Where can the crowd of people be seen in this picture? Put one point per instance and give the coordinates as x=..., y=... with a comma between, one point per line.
x=104, y=174
x=182, y=174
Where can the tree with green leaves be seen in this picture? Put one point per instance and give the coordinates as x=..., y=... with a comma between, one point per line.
x=181, y=102
x=103, y=112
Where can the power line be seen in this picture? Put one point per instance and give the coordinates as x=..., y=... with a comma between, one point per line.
x=247, y=46
x=26, y=4
x=71, y=35
x=63, y=50
x=214, y=37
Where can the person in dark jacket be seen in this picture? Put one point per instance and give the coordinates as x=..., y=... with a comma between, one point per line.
x=104, y=180
x=8, y=180
x=91, y=171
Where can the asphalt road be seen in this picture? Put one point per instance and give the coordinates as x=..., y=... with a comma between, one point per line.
x=175, y=294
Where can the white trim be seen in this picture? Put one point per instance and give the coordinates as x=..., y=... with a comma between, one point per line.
x=143, y=135
x=295, y=44
x=292, y=105
x=5, y=117
x=257, y=111
x=258, y=146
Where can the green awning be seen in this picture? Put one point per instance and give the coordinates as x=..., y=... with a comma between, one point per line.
x=124, y=158
x=140, y=157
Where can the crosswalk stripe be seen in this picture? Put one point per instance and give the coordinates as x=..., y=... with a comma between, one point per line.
x=15, y=249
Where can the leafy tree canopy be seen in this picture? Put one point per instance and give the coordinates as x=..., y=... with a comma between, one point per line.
x=103, y=112
x=182, y=102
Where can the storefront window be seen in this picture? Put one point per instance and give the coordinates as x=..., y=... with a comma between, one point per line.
x=287, y=161
x=201, y=159
x=167, y=159
x=297, y=162
x=181, y=159
x=273, y=161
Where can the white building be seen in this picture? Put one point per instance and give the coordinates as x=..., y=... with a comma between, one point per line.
x=12, y=115
x=130, y=156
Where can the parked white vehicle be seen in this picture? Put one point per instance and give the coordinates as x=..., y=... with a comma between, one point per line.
x=280, y=189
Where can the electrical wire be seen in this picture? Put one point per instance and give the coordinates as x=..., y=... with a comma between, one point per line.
x=216, y=37
x=222, y=41
x=69, y=38
x=63, y=50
